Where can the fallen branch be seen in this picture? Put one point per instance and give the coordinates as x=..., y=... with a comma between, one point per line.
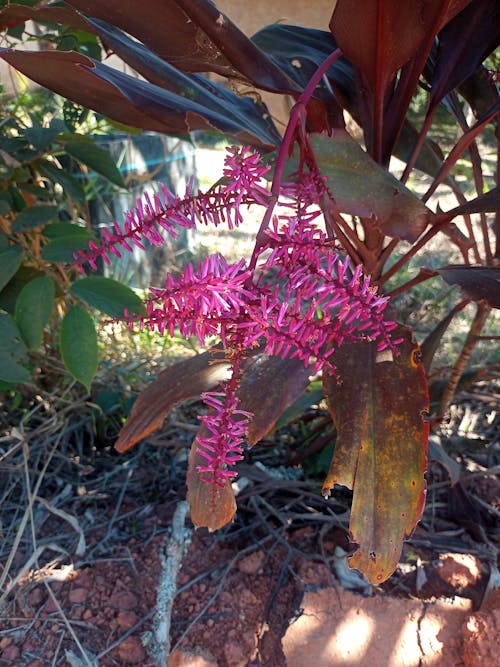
x=157, y=642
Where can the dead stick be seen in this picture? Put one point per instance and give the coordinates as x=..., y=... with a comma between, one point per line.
x=157, y=642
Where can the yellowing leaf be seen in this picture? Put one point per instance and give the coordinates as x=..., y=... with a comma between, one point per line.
x=381, y=451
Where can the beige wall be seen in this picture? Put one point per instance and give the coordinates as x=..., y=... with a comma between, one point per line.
x=252, y=15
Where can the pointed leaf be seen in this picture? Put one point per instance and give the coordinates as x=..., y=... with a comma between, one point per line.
x=10, y=261
x=244, y=111
x=12, y=351
x=211, y=506
x=477, y=282
x=33, y=310
x=380, y=453
x=90, y=154
x=186, y=379
x=108, y=296
x=215, y=43
x=463, y=45
x=78, y=344
x=361, y=187
x=488, y=202
x=34, y=216
x=269, y=385
x=14, y=14
x=431, y=343
x=127, y=99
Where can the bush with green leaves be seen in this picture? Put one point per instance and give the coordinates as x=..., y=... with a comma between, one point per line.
x=372, y=60
x=48, y=173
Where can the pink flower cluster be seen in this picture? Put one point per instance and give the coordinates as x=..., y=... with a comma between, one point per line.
x=302, y=299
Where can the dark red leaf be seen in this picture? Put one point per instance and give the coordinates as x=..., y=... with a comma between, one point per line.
x=463, y=45
x=192, y=35
x=477, y=282
x=489, y=202
x=13, y=15
x=377, y=405
x=186, y=379
x=127, y=99
x=269, y=385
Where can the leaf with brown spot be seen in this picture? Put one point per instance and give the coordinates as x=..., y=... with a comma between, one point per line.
x=211, y=506
x=186, y=379
x=269, y=385
x=362, y=187
x=381, y=448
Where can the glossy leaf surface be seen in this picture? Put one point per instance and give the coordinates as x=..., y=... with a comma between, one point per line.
x=361, y=187
x=193, y=35
x=477, y=282
x=130, y=100
x=381, y=447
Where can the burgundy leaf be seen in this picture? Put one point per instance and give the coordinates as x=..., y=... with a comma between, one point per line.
x=463, y=45
x=477, y=282
x=269, y=385
x=127, y=99
x=192, y=35
x=13, y=15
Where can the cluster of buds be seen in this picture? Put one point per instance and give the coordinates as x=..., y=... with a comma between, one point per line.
x=298, y=297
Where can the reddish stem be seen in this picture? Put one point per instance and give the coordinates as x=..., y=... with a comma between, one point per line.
x=298, y=115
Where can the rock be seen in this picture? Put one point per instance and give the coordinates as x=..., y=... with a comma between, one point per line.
x=123, y=600
x=131, y=651
x=193, y=658
x=78, y=595
x=126, y=619
x=10, y=654
x=252, y=563
x=341, y=628
x=481, y=632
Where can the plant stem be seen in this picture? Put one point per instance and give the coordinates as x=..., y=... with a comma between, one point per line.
x=297, y=114
x=482, y=313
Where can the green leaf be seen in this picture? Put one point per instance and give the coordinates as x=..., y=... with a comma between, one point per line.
x=362, y=187
x=65, y=240
x=78, y=344
x=108, y=296
x=34, y=216
x=89, y=153
x=9, y=294
x=377, y=403
x=42, y=137
x=10, y=261
x=12, y=351
x=69, y=184
x=33, y=310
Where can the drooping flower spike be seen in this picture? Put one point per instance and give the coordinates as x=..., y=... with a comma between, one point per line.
x=302, y=298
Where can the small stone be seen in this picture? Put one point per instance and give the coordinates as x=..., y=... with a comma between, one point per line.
x=50, y=606
x=194, y=658
x=126, y=619
x=35, y=598
x=235, y=654
x=12, y=652
x=123, y=600
x=4, y=642
x=78, y=595
x=131, y=651
x=87, y=614
x=252, y=563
